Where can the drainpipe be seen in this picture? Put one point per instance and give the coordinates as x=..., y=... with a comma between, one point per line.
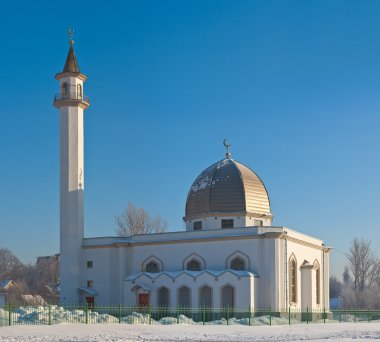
x=286, y=269
x=323, y=274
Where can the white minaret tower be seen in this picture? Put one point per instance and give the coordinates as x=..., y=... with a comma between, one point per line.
x=71, y=103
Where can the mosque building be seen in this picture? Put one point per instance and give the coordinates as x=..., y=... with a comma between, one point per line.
x=230, y=254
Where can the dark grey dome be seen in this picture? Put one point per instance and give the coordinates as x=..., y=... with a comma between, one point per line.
x=227, y=187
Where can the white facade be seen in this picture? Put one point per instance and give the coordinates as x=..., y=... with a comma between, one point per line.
x=119, y=264
x=253, y=264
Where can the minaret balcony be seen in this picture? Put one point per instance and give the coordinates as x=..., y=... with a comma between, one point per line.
x=71, y=99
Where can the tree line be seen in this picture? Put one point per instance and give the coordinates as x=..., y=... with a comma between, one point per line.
x=39, y=279
x=360, y=287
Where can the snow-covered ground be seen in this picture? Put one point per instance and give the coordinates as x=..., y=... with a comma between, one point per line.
x=185, y=332
x=32, y=324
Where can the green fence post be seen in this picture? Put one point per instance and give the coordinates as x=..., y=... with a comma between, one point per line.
x=9, y=314
x=119, y=313
x=340, y=316
x=150, y=314
x=355, y=316
x=86, y=313
x=227, y=314
x=324, y=315
x=249, y=315
x=307, y=315
x=177, y=314
x=203, y=314
x=289, y=315
x=49, y=314
x=270, y=316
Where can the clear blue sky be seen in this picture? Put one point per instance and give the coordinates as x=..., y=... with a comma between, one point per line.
x=294, y=85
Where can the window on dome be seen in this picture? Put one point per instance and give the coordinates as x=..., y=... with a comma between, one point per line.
x=197, y=225
x=152, y=267
x=228, y=223
x=237, y=264
x=258, y=223
x=193, y=265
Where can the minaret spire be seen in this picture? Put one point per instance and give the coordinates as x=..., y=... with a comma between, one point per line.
x=71, y=64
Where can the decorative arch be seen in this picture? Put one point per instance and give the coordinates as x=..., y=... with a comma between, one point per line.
x=238, y=255
x=292, y=279
x=205, y=296
x=163, y=296
x=228, y=293
x=195, y=258
x=184, y=296
x=317, y=269
x=148, y=264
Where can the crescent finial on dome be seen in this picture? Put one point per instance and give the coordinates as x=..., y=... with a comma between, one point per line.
x=228, y=155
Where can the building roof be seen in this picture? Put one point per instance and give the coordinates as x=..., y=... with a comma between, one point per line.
x=227, y=187
x=194, y=274
x=71, y=64
x=5, y=284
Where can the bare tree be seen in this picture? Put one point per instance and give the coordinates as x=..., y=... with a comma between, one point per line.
x=346, y=276
x=335, y=287
x=138, y=221
x=10, y=265
x=374, y=278
x=361, y=260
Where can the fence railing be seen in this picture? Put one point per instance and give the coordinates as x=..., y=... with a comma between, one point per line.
x=71, y=96
x=54, y=314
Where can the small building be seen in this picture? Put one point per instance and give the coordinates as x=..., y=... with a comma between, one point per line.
x=6, y=284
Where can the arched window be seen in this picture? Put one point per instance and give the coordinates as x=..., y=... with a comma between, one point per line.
x=205, y=296
x=152, y=267
x=237, y=264
x=79, y=91
x=193, y=265
x=194, y=262
x=292, y=280
x=163, y=296
x=184, y=298
x=318, y=285
x=64, y=88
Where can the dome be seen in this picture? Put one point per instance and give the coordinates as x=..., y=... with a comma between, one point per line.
x=227, y=187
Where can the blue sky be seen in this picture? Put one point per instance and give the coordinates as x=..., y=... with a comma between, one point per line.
x=293, y=85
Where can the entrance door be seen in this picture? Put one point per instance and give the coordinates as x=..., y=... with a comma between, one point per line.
x=90, y=302
x=143, y=299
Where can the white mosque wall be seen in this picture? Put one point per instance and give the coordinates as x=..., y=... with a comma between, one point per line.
x=303, y=252
x=212, y=254
x=114, y=259
x=243, y=289
x=105, y=276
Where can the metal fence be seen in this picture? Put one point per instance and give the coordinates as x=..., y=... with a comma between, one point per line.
x=54, y=314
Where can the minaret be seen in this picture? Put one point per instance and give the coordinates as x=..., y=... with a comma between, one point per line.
x=71, y=103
